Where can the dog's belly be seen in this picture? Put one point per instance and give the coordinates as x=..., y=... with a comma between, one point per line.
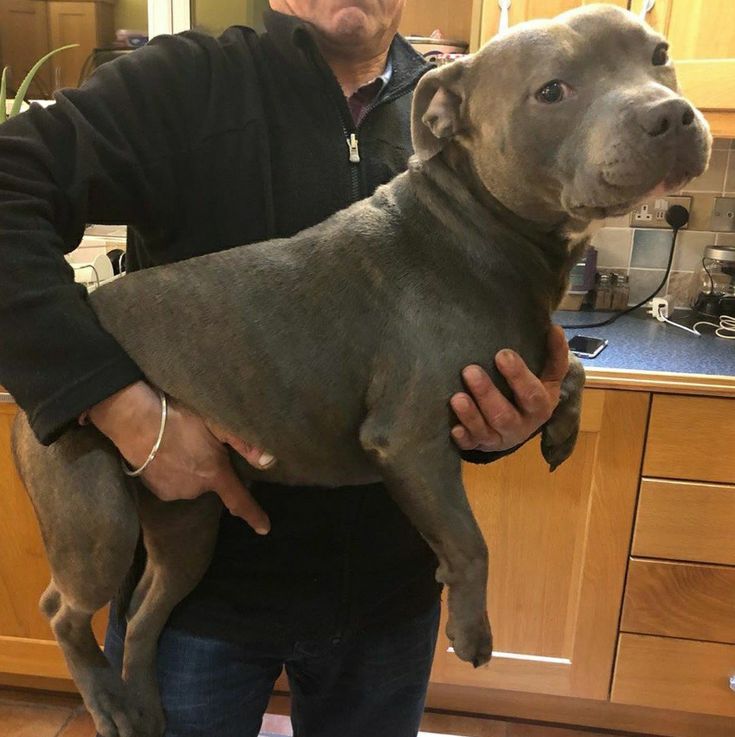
x=275, y=367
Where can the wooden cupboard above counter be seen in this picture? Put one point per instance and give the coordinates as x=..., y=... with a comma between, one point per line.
x=701, y=34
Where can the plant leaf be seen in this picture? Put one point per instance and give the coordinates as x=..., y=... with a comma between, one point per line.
x=23, y=89
x=3, y=94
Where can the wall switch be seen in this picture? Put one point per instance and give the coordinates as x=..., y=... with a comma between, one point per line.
x=723, y=215
x=652, y=213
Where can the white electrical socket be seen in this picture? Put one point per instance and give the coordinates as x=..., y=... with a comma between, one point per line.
x=652, y=213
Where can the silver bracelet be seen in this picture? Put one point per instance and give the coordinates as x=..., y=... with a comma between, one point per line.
x=156, y=446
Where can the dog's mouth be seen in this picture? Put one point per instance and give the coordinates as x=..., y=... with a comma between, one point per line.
x=673, y=181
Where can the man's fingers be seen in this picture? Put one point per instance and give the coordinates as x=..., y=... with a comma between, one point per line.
x=498, y=416
x=557, y=361
x=530, y=394
x=254, y=456
x=241, y=502
x=473, y=426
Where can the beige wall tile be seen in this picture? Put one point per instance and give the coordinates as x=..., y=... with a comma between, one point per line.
x=725, y=239
x=613, y=246
x=690, y=245
x=621, y=221
x=679, y=286
x=730, y=173
x=643, y=282
x=713, y=180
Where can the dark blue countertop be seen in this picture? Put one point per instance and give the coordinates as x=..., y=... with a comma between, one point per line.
x=638, y=342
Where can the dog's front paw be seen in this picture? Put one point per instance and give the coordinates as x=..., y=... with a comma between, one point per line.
x=558, y=440
x=472, y=643
x=148, y=719
x=107, y=705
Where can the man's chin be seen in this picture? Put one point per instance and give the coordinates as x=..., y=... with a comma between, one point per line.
x=350, y=24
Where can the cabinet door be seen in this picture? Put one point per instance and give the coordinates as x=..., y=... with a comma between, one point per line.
x=558, y=554
x=522, y=10
x=24, y=38
x=27, y=647
x=702, y=38
x=452, y=17
x=72, y=23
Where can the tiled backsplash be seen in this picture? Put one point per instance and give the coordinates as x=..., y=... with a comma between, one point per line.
x=643, y=253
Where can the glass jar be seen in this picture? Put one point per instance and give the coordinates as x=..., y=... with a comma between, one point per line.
x=714, y=279
x=603, y=291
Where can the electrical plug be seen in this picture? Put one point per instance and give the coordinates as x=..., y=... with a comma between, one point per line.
x=659, y=308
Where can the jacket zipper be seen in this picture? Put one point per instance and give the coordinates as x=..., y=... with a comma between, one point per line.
x=353, y=146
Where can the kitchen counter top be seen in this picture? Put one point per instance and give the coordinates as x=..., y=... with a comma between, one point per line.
x=645, y=354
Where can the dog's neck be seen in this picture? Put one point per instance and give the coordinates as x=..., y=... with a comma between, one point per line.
x=449, y=181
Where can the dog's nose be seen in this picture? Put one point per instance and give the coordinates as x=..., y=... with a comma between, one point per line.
x=665, y=116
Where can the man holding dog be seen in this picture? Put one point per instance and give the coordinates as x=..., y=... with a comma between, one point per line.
x=335, y=585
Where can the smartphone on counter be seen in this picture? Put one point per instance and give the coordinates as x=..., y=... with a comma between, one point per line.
x=586, y=347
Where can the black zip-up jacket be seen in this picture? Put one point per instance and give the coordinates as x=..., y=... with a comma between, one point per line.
x=199, y=144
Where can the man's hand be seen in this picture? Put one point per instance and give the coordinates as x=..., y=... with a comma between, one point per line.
x=488, y=421
x=192, y=458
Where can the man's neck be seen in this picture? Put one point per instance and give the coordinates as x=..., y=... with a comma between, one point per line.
x=352, y=74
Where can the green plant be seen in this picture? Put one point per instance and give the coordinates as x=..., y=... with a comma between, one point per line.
x=23, y=89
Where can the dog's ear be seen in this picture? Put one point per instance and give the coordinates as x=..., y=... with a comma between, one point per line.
x=436, y=115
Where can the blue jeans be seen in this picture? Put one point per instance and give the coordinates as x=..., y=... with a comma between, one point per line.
x=367, y=684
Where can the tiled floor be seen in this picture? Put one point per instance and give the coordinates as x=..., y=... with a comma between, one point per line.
x=37, y=714
x=27, y=714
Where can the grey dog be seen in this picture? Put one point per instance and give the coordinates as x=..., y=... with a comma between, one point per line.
x=339, y=348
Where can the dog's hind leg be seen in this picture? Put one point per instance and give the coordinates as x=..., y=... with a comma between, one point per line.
x=179, y=540
x=90, y=529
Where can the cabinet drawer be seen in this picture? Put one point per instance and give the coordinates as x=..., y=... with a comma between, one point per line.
x=691, y=438
x=680, y=600
x=685, y=521
x=682, y=675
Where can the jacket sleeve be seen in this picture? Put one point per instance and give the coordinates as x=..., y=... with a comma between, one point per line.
x=102, y=154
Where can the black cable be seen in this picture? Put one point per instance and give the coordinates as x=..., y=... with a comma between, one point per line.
x=677, y=217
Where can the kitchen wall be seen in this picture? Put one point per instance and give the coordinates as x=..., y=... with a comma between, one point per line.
x=131, y=15
x=643, y=252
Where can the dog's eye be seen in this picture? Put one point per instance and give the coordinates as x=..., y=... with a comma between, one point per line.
x=660, y=55
x=551, y=92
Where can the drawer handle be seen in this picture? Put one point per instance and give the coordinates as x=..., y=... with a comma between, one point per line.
x=504, y=6
x=647, y=8
x=732, y=683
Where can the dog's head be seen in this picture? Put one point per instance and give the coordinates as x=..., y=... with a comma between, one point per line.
x=572, y=119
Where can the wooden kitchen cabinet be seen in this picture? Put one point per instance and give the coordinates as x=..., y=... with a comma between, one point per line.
x=702, y=38
x=558, y=554
x=523, y=10
x=24, y=38
x=28, y=651
x=29, y=29
x=88, y=23
x=685, y=675
x=454, y=18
